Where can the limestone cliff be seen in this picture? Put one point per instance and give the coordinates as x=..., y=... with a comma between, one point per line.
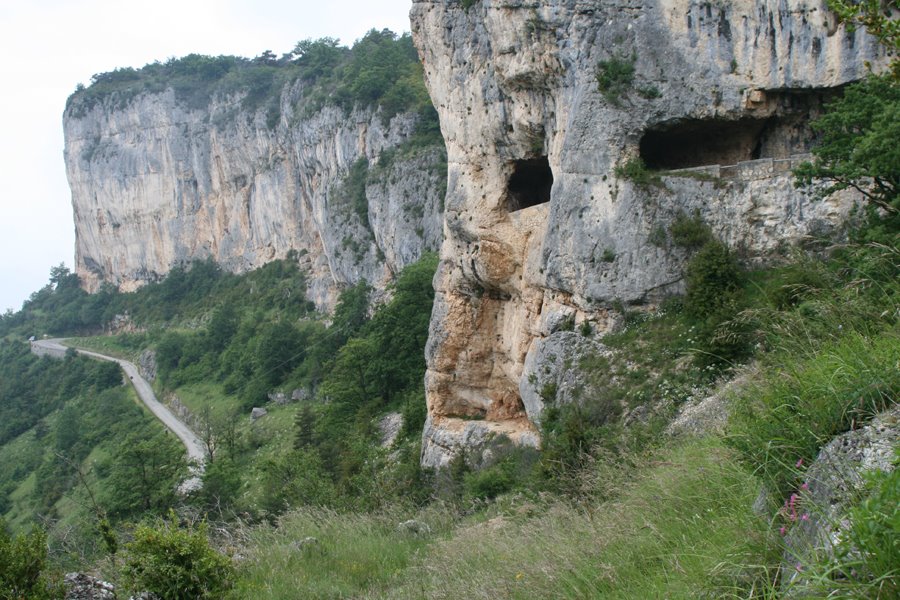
x=158, y=182
x=540, y=101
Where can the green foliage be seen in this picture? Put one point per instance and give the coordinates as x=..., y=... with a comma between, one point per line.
x=690, y=233
x=615, y=77
x=175, y=562
x=858, y=145
x=879, y=19
x=649, y=92
x=869, y=556
x=24, y=567
x=792, y=412
x=380, y=70
x=145, y=475
x=712, y=276
x=637, y=172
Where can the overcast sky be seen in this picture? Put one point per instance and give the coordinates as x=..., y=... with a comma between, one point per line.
x=47, y=47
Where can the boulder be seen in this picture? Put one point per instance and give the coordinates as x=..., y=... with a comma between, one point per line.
x=81, y=586
x=389, y=425
x=278, y=397
x=818, y=517
x=257, y=413
x=414, y=527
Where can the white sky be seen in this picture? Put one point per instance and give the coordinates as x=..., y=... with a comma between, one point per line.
x=49, y=46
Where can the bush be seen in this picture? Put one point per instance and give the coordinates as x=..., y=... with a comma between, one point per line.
x=176, y=563
x=712, y=277
x=615, y=76
x=637, y=172
x=690, y=233
x=23, y=564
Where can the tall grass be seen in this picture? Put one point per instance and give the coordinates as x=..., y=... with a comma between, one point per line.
x=794, y=410
x=353, y=554
x=683, y=528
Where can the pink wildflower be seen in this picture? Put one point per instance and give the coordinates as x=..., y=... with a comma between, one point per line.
x=799, y=567
x=805, y=487
x=804, y=517
x=799, y=463
x=782, y=530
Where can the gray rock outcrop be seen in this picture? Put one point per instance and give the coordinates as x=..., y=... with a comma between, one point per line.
x=835, y=481
x=541, y=217
x=258, y=413
x=81, y=586
x=147, y=365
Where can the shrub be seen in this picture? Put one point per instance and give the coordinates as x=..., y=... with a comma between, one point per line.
x=690, y=233
x=712, y=276
x=23, y=564
x=615, y=76
x=637, y=172
x=176, y=563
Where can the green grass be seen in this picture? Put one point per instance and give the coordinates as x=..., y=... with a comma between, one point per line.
x=795, y=410
x=355, y=554
x=683, y=527
x=125, y=346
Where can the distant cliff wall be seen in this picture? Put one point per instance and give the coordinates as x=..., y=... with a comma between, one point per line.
x=157, y=182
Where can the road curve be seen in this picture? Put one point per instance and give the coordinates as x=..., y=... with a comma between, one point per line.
x=195, y=448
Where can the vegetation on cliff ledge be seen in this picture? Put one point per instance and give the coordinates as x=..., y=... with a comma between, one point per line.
x=380, y=70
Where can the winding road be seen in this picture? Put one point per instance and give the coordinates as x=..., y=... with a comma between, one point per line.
x=196, y=451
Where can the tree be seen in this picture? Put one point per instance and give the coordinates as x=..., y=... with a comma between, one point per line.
x=858, y=147
x=859, y=131
x=145, y=474
x=879, y=17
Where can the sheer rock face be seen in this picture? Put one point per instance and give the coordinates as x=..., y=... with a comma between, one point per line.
x=539, y=226
x=157, y=184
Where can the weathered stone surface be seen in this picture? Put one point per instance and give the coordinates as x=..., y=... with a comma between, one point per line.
x=390, y=425
x=300, y=394
x=81, y=586
x=278, y=397
x=156, y=184
x=147, y=365
x=835, y=481
x=414, y=527
x=708, y=413
x=553, y=372
x=515, y=84
x=258, y=413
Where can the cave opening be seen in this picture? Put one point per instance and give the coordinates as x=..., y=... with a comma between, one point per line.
x=780, y=131
x=699, y=142
x=529, y=184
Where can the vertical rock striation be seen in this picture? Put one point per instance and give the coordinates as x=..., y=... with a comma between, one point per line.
x=157, y=183
x=540, y=101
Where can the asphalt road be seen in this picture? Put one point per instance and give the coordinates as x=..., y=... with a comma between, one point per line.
x=195, y=449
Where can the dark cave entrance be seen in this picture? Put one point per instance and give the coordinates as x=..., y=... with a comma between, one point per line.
x=696, y=142
x=529, y=184
x=780, y=131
